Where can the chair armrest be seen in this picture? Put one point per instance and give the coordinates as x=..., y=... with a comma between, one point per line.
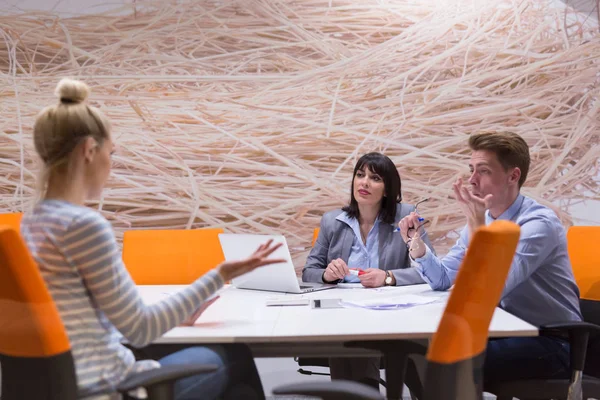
x=334, y=390
x=568, y=327
x=578, y=333
x=163, y=375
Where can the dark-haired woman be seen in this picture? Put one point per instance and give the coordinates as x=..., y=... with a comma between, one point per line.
x=361, y=237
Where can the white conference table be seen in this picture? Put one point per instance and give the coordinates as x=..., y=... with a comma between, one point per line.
x=241, y=316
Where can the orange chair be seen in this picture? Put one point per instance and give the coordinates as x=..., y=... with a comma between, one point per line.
x=31, y=327
x=457, y=351
x=585, y=260
x=12, y=219
x=456, y=354
x=35, y=352
x=171, y=257
x=582, y=242
x=315, y=236
x=584, y=337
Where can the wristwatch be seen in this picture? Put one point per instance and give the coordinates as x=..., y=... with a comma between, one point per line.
x=388, y=278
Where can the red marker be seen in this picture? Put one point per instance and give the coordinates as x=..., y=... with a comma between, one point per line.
x=357, y=272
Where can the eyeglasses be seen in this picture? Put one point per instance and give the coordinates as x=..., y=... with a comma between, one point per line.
x=409, y=243
x=420, y=219
x=413, y=229
x=419, y=202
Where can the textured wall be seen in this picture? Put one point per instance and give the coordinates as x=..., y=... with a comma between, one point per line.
x=250, y=114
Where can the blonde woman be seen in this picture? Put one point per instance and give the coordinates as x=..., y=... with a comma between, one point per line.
x=78, y=257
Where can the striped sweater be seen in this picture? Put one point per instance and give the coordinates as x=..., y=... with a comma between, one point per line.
x=98, y=302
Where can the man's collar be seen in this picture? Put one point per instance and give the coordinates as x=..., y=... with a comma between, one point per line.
x=509, y=214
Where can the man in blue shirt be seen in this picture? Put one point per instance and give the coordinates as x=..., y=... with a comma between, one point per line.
x=540, y=287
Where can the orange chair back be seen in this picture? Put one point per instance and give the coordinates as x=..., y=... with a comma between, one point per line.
x=315, y=236
x=171, y=257
x=12, y=219
x=582, y=244
x=463, y=330
x=29, y=321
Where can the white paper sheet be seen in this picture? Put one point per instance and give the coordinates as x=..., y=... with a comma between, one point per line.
x=390, y=302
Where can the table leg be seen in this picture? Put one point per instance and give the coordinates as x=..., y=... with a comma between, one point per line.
x=395, y=369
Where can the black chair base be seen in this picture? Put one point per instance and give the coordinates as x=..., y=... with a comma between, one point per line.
x=543, y=389
x=324, y=363
x=334, y=390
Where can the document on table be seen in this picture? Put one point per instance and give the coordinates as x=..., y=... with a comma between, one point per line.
x=350, y=285
x=390, y=302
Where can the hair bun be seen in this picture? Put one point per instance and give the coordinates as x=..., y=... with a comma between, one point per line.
x=71, y=91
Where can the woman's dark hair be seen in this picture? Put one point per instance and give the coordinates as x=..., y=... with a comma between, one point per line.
x=385, y=168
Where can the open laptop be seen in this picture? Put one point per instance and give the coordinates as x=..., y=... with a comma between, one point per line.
x=279, y=277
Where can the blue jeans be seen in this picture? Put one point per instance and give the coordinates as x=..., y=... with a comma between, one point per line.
x=236, y=378
x=526, y=358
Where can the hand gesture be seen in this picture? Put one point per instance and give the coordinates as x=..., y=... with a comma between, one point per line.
x=233, y=269
x=472, y=206
x=192, y=318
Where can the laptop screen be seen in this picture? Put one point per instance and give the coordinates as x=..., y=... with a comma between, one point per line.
x=279, y=277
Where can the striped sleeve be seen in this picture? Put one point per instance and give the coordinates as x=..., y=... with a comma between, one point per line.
x=90, y=246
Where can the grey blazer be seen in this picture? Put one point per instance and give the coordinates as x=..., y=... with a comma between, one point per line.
x=335, y=241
